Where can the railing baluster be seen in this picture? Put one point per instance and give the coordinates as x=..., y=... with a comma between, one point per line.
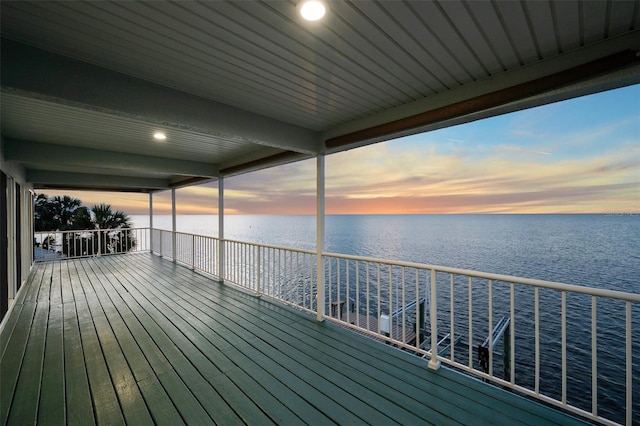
x=470, y=323
x=378, y=290
x=434, y=363
x=594, y=357
x=330, y=281
x=366, y=271
x=564, y=347
x=311, y=281
x=347, y=291
x=418, y=312
x=629, y=365
x=512, y=335
x=259, y=273
x=490, y=328
x=536, y=315
x=404, y=303
x=452, y=318
x=357, y=308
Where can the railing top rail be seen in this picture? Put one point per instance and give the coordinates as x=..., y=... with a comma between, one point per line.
x=614, y=294
x=272, y=246
x=91, y=230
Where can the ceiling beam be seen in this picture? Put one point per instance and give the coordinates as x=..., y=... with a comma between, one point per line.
x=491, y=100
x=36, y=153
x=602, y=66
x=262, y=163
x=38, y=73
x=68, y=180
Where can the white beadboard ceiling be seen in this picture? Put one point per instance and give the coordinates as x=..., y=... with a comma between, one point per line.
x=241, y=85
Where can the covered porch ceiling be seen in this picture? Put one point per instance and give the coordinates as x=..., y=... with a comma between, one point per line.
x=241, y=85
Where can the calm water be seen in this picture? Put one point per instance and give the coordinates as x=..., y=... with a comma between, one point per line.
x=592, y=250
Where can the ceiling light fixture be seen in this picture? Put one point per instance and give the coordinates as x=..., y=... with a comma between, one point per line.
x=312, y=10
x=159, y=136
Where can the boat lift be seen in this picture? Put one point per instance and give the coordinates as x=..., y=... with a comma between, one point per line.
x=501, y=330
x=386, y=319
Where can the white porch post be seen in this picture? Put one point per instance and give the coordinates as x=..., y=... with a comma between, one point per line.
x=151, y=222
x=320, y=237
x=221, y=229
x=173, y=223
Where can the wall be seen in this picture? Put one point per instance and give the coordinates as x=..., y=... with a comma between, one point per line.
x=16, y=226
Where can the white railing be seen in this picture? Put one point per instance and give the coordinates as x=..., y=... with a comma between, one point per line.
x=569, y=346
x=92, y=242
x=566, y=345
x=288, y=275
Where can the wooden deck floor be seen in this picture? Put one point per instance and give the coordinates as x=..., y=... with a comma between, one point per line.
x=135, y=339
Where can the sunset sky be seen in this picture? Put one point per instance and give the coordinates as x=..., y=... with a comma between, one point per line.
x=576, y=156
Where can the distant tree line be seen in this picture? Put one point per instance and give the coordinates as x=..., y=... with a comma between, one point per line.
x=59, y=215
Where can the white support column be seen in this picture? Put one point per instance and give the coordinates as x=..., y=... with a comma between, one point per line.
x=221, y=229
x=320, y=237
x=151, y=222
x=173, y=223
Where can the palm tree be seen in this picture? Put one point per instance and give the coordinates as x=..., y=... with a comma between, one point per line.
x=42, y=213
x=57, y=213
x=117, y=239
x=66, y=213
x=105, y=218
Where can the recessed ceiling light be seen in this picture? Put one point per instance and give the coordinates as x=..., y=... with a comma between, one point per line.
x=159, y=136
x=312, y=10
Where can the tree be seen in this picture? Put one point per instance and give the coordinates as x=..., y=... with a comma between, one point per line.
x=43, y=213
x=68, y=214
x=58, y=213
x=105, y=218
x=118, y=238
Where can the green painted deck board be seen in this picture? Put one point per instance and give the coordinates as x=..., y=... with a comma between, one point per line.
x=105, y=401
x=216, y=355
x=24, y=408
x=11, y=361
x=220, y=383
x=371, y=386
x=52, y=403
x=79, y=408
x=263, y=388
x=283, y=372
x=227, y=399
x=143, y=329
x=136, y=338
x=368, y=404
x=160, y=405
